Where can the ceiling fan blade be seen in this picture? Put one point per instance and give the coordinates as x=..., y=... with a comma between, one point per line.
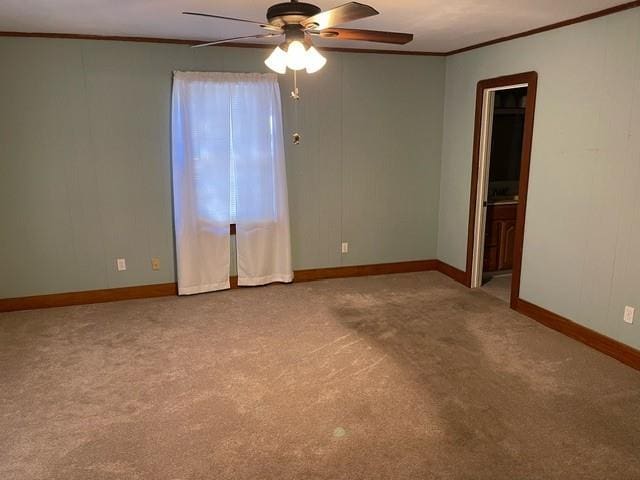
x=344, y=13
x=262, y=24
x=217, y=42
x=364, y=35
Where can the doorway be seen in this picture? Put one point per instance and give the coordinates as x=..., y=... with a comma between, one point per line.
x=505, y=108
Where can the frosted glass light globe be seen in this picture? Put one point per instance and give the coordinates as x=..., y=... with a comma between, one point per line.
x=277, y=61
x=315, y=61
x=296, y=56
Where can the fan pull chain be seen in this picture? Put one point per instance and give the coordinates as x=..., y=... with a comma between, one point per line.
x=295, y=94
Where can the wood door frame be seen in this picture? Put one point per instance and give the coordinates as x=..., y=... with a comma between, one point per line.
x=531, y=79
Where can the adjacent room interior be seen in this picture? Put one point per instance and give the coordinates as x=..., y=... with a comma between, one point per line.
x=503, y=189
x=250, y=240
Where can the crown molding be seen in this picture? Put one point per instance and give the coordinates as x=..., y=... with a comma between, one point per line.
x=182, y=41
x=553, y=26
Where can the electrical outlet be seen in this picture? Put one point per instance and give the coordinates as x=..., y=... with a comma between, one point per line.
x=121, y=264
x=345, y=247
x=155, y=263
x=629, y=313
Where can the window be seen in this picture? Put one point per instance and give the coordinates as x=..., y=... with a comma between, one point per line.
x=230, y=120
x=228, y=168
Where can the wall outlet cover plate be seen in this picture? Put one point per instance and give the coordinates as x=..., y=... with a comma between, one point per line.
x=629, y=313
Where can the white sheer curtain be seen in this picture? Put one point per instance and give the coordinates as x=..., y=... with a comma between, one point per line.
x=228, y=167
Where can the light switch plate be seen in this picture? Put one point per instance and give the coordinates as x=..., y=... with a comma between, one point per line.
x=121, y=264
x=629, y=313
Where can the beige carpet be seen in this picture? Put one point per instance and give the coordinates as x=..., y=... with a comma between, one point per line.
x=396, y=377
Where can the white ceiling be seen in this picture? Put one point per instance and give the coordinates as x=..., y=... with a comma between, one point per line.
x=438, y=25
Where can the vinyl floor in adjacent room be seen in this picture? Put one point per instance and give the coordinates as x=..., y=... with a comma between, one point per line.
x=392, y=377
x=498, y=286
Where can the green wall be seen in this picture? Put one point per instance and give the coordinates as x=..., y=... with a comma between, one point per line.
x=582, y=238
x=85, y=167
x=85, y=163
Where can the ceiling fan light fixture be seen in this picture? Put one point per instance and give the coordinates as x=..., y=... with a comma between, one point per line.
x=315, y=61
x=277, y=61
x=296, y=55
x=297, y=21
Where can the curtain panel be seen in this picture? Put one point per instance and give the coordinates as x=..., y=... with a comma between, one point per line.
x=229, y=167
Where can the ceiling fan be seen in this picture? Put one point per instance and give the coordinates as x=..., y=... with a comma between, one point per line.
x=298, y=22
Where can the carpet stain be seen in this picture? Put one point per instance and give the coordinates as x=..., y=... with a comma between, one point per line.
x=339, y=432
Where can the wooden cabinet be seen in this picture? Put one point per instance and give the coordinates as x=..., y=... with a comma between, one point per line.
x=500, y=229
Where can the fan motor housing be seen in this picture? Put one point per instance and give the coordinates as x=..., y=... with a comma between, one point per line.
x=282, y=14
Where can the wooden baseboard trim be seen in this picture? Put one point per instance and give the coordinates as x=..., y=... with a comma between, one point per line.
x=621, y=352
x=615, y=349
x=87, y=297
x=454, y=273
x=167, y=289
x=365, y=270
x=313, y=274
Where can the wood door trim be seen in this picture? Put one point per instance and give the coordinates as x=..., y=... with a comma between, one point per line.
x=531, y=79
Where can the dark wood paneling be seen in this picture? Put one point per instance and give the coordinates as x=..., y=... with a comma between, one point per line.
x=553, y=26
x=530, y=78
x=604, y=344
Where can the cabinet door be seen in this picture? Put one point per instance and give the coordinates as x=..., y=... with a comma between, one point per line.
x=507, y=245
x=499, y=239
x=492, y=240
